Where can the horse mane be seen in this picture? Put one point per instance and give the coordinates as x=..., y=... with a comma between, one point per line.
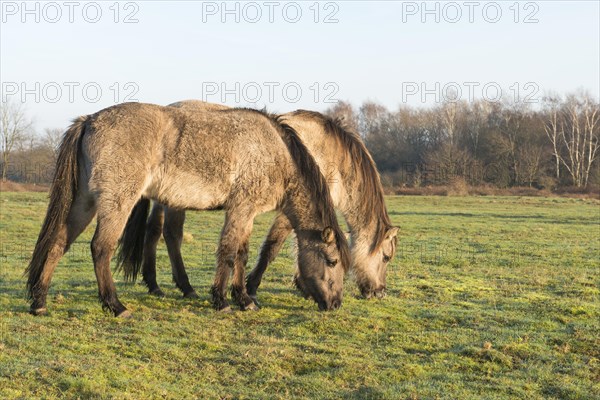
x=313, y=178
x=373, y=204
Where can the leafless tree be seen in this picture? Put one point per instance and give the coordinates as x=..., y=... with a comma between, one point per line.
x=530, y=160
x=450, y=112
x=52, y=138
x=477, y=117
x=552, y=126
x=370, y=118
x=449, y=162
x=14, y=130
x=344, y=111
x=579, y=132
x=510, y=124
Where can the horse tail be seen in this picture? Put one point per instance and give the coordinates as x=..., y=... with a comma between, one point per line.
x=131, y=244
x=62, y=194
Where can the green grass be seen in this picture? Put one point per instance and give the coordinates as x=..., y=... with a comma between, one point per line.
x=488, y=297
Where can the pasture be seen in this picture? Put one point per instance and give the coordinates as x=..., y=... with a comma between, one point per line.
x=488, y=297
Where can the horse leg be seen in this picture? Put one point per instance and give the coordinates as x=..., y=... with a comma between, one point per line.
x=236, y=231
x=279, y=231
x=111, y=222
x=151, y=238
x=81, y=213
x=238, y=289
x=173, y=234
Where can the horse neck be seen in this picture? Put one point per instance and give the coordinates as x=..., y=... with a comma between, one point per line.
x=300, y=208
x=349, y=198
x=362, y=230
x=344, y=179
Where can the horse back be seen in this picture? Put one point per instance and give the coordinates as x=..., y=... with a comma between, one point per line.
x=197, y=160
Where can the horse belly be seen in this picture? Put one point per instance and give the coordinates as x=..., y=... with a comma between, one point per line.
x=189, y=191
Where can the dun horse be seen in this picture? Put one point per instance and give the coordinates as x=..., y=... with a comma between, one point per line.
x=355, y=188
x=243, y=161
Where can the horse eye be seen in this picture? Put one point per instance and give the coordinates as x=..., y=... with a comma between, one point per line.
x=331, y=263
x=386, y=258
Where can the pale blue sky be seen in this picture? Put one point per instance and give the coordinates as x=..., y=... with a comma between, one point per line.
x=376, y=51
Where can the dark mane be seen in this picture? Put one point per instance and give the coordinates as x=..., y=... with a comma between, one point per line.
x=316, y=184
x=373, y=204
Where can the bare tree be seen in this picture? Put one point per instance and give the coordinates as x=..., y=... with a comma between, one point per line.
x=370, y=117
x=378, y=128
x=52, y=138
x=552, y=105
x=344, y=111
x=591, y=118
x=580, y=136
x=512, y=135
x=478, y=114
x=450, y=112
x=449, y=162
x=530, y=157
x=27, y=143
x=15, y=127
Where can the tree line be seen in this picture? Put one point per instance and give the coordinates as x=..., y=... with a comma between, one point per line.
x=26, y=155
x=502, y=144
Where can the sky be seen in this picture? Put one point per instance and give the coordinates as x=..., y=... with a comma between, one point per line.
x=64, y=59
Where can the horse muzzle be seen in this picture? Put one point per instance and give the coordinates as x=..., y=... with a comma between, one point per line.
x=334, y=304
x=378, y=293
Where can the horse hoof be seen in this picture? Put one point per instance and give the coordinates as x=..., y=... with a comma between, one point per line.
x=157, y=292
x=126, y=314
x=225, y=310
x=39, y=311
x=250, y=307
x=191, y=295
x=255, y=300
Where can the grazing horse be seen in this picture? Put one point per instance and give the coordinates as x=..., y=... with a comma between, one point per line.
x=355, y=188
x=243, y=161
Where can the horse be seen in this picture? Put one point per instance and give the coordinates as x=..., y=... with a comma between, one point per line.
x=243, y=161
x=355, y=187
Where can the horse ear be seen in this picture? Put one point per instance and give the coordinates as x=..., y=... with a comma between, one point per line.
x=392, y=232
x=328, y=235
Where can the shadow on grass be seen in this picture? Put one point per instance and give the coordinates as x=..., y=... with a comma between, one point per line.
x=74, y=291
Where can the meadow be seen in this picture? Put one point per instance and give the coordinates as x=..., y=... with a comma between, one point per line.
x=488, y=298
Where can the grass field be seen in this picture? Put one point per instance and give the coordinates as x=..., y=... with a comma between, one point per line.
x=488, y=297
